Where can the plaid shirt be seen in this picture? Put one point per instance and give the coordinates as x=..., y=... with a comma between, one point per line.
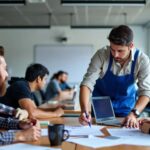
x=6, y=109
x=7, y=123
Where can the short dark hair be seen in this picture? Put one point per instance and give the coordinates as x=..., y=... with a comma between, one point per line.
x=35, y=70
x=1, y=51
x=121, y=35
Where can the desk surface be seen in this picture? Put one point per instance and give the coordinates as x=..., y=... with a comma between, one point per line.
x=70, y=146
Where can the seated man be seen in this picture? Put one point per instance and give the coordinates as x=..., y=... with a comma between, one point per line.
x=20, y=94
x=6, y=110
x=145, y=125
x=3, y=86
x=30, y=133
x=57, y=88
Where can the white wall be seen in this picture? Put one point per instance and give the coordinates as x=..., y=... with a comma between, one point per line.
x=19, y=43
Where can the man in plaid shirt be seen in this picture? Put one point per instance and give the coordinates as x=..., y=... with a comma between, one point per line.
x=31, y=131
x=6, y=109
x=18, y=113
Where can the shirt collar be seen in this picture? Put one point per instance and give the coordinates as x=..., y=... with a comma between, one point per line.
x=132, y=54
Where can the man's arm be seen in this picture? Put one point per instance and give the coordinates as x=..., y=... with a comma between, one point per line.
x=6, y=109
x=8, y=123
x=84, y=103
x=84, y=98
x=6, y=137
x=31, y=134
x=35, y=112
x=141, y=103
x=131, y=120
x=143, y=76
x=18, y=113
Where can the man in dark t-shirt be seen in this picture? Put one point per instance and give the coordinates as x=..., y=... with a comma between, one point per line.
x=17, y=91
x=19, y=94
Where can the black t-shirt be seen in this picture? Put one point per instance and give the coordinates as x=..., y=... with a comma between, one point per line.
x=17, y=91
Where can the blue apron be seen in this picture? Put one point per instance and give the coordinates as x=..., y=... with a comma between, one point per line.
x=121, y=89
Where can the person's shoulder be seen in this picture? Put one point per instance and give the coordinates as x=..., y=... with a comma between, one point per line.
x=20, y=83
x=54, y=81
x=104, y=52
x=143, y=57
x=143, y=60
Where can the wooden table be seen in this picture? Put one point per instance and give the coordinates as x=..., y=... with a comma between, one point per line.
x=70, y=146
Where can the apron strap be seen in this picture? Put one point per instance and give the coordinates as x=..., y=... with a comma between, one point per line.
x=134, y=62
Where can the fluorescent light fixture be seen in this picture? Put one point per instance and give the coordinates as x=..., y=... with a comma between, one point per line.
x=89, y=27
x=103, y=2
x=12, y=2
x=36, y=1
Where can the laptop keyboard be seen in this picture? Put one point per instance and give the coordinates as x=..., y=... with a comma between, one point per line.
x=113, y=121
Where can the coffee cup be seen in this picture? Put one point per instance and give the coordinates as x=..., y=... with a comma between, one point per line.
x=57, y=134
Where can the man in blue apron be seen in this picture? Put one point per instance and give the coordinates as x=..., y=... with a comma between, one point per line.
x=121, y=72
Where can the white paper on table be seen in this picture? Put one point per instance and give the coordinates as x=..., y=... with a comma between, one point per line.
x=21, y=146
x=96, y=142
x=84, y=130
x=79, y=130
x=131, y=136
x=44, y=132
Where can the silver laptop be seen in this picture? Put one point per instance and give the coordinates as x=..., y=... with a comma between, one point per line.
x=103, y=111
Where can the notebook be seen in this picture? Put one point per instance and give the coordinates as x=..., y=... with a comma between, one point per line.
x=103, y=111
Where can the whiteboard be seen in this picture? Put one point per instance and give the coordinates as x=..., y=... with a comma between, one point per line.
x=73, y=59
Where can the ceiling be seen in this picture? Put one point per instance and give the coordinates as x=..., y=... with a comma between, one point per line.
x=53, y=13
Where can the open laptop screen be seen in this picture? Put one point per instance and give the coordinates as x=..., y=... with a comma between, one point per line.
x=102, y=107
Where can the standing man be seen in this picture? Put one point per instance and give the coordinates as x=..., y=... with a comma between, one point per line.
x=116, y=71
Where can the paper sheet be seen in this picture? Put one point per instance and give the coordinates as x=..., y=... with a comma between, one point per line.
x=80, y=131
x=131, y=136
x=44, y=132
x=95, y=142
x=84, y=130
x=21, y=146
x=118, y=137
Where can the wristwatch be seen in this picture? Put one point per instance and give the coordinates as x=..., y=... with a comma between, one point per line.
x=135, y=112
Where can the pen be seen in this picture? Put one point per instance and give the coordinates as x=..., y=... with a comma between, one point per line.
x=89, y=123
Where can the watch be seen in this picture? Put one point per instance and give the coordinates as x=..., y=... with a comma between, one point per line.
x=135, y=112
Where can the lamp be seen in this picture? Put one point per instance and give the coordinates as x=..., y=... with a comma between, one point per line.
x=103, y=2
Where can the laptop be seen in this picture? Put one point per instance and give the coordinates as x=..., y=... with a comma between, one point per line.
x=103, y=111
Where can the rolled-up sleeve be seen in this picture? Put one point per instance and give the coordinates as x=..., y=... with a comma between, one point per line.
x=6, y=137
x=144, y=76
x=8, y=123
x=93, y=71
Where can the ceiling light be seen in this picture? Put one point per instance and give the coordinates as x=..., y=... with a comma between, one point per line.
x=103, y=2
x=36, y=1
